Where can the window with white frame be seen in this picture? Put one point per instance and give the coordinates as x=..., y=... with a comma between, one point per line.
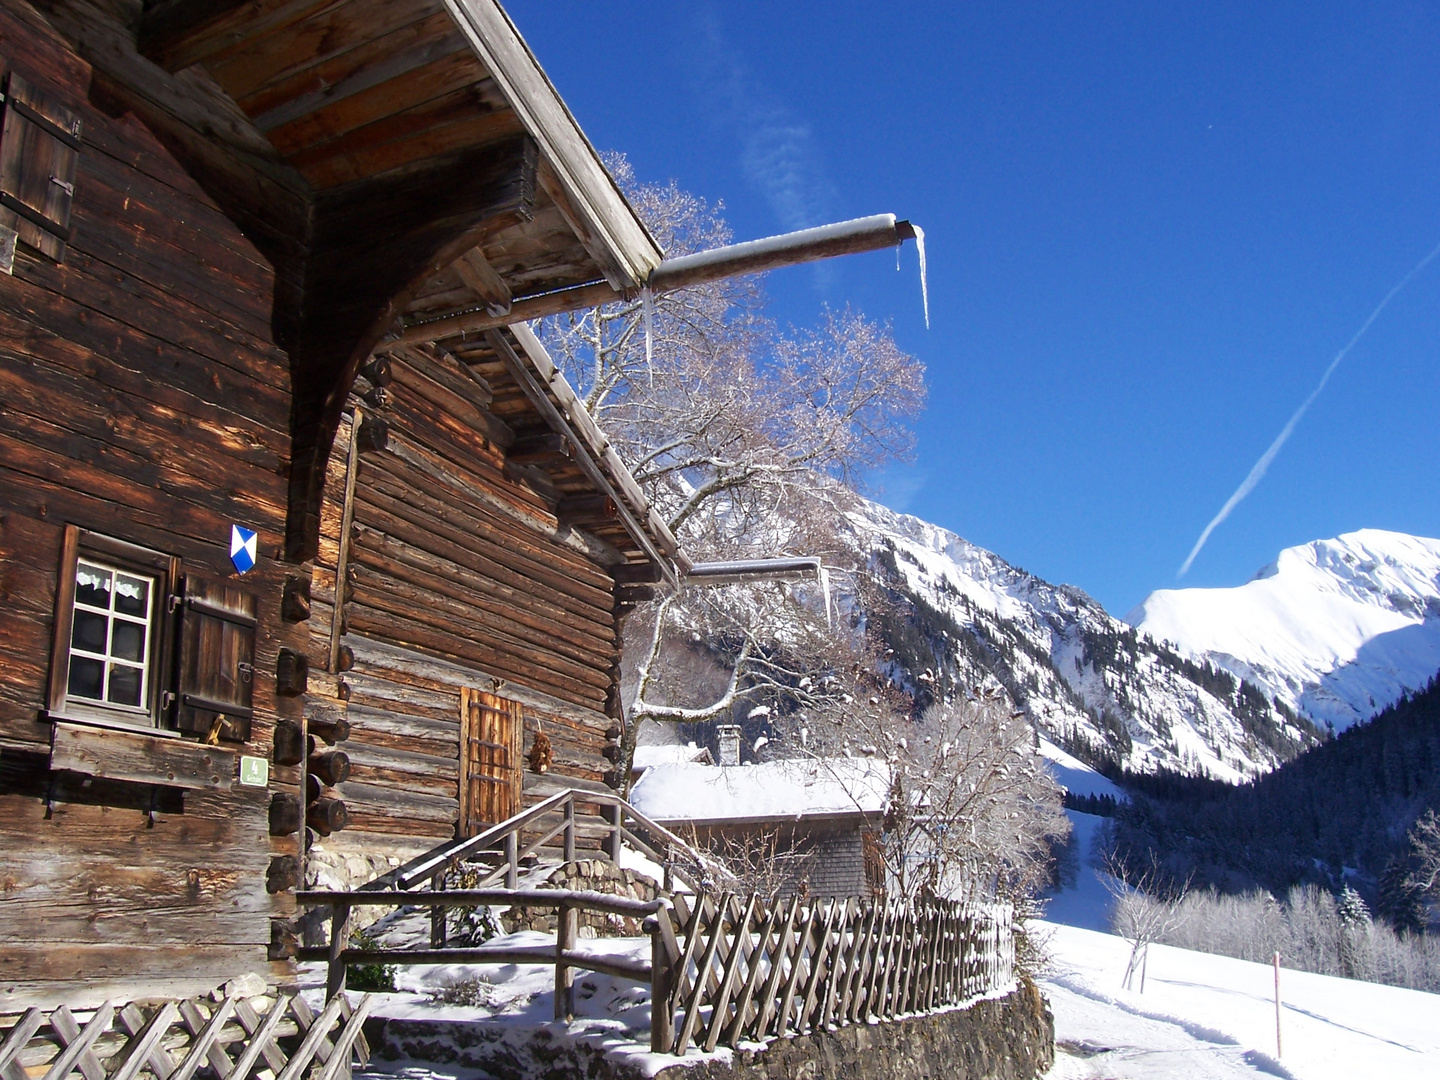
x=110, y=636
x=113, y=628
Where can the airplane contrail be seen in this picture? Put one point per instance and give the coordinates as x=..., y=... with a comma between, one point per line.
x=1258, y=472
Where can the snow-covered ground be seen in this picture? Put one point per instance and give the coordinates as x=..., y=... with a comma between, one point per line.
x=1211, y=1016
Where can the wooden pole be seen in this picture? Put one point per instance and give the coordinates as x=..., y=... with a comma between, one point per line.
x=662, y=991
x=347, y=518
x=339, y=935
x=1279, y=1047
x=437, y=913
x=566, y=922
x=616, y=837
x=570, y=829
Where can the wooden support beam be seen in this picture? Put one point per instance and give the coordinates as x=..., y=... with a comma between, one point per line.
x=540, y=449
x=479, y=275
x=587, y=510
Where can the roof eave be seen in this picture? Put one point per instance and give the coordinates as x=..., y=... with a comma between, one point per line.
x=611, y=231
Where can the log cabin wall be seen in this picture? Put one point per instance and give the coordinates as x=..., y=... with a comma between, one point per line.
x=460, y=576
x=141, y=397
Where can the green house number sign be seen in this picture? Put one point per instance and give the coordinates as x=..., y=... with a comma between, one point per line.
x=254, y=771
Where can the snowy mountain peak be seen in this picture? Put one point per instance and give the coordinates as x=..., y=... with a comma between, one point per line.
x=1336, y=629
x=1090, y=682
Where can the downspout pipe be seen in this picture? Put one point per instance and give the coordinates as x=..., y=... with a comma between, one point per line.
x=789, y=249
x=752, y=257
x=748, y=570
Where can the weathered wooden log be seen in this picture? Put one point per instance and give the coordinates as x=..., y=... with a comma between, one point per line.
x=286, y=814
x=344, y=658
x=289, y=743
x=587, y=510
x=332, y=767
x=333, y=729
x=295, y=600
x=327, y=816
x=292, y=673
x=373, y=436
x=378, y=370
x=283, y=874
x=284, y=940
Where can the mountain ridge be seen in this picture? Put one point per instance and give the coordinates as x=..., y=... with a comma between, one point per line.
x=1337, y=629
x=1090, y=682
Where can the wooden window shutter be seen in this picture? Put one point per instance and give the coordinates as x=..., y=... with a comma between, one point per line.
x=216, y=672
x=492, y=736
x=39, y=149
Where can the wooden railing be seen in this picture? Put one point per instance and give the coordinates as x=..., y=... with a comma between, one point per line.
x=729, y=970
x=176, y=1040
x=565, y=955
x=746, y=969
x=507, y=843
x=721, y=970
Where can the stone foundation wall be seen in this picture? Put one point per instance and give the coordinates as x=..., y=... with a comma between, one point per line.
x=1012, y=1038
x=591, y=875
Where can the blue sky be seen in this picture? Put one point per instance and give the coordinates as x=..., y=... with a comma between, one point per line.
x=1150, y=228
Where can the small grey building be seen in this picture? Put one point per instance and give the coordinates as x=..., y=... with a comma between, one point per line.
x=803, y=825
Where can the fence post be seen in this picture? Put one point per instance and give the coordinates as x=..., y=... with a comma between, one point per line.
x=662, y=989
x=437, y=913
x=616, y=821
x=339, y=935
x=565, y=926
x=512, y=858
x=570, y=829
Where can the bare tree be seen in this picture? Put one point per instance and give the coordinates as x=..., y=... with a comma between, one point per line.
x=742, y=437
x=766, y=862
x=970, y=808
x=1146, y=906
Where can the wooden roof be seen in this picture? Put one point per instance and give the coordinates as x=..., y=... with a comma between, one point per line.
x=348, y=90
x=397, y=161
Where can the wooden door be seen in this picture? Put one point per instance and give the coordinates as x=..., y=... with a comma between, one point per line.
x=492, y=734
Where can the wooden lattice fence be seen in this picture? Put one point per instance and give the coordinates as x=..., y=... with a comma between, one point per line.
x=181, y=1040
x=742, y=969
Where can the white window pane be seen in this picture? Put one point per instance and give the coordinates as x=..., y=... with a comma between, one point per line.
x=132, y=595
x=92, y=586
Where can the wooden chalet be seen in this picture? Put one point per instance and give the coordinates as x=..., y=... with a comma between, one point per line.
x=266, y=262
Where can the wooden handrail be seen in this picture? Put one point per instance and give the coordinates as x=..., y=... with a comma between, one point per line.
x=584, y=899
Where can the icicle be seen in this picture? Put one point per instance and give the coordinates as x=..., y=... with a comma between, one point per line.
x=825, y=590
x=647, y=302
x=924, y=285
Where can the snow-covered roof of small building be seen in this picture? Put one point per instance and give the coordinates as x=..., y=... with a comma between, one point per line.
x=647, y=757
x=772, y=790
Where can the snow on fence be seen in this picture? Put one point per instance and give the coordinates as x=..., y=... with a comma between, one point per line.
x=743, y=970
x=176, y=1040
x=728, y=970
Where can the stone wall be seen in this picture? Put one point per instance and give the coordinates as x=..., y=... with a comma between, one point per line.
x=1012, y=1038
x=590, y=875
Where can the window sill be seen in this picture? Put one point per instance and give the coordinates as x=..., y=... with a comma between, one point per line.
x=101, y=720
x=114, y=751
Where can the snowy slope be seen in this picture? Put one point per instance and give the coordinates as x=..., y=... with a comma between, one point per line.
x=1337, y=629
x=1205, y=1016
x=1091, y=683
